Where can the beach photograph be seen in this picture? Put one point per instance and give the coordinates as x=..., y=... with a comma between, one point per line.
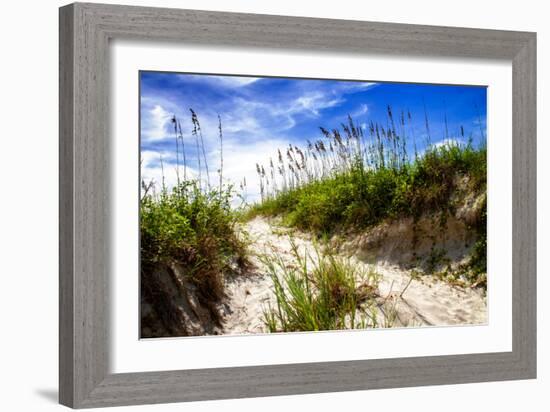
x=281, y=205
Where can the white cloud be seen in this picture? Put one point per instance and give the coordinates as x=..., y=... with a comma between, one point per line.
x=312, y=103
x=154, y=123
x=253, y=129
x=359, y=86
x=362, y=110
x=243, y=116
x=152, y=170
x=225, y=81
x=450, y=142
x=237, y=81
x=239, y=163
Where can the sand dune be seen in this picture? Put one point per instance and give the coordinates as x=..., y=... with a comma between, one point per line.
x=427, y=301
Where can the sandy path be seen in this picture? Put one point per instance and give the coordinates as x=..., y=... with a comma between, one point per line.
x=250, y=295
x=425, y=302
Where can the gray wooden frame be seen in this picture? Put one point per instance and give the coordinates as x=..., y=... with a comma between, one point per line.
x=85, y=31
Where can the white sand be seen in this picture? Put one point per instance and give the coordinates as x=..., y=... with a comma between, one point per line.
x=425, y=302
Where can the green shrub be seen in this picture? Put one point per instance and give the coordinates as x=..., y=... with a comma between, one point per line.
x=194, y=229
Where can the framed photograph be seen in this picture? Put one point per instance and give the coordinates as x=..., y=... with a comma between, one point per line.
x=256, y=205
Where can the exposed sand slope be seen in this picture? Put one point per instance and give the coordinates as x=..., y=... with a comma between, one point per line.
x=428, y=301
x=249, y=296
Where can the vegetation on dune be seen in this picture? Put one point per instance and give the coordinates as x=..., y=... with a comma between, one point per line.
x=361, y=197
x=320, y=293
x=192, y=227
x=196, y=231
x=345, y=180
x=348, y=180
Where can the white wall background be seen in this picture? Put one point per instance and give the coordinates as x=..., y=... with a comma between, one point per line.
x=28, y=205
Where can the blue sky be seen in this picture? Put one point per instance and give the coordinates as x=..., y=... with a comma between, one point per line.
x=262, y=114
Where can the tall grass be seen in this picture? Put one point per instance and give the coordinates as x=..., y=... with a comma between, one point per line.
x=191, y=226
x=355, y=177
x=352, y=179
x=341, y=150
x=320, y=293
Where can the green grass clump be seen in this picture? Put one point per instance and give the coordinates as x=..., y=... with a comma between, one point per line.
x=195, y=229
x=332, y=294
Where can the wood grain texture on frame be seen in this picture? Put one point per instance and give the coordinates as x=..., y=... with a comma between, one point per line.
x=85, y=31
